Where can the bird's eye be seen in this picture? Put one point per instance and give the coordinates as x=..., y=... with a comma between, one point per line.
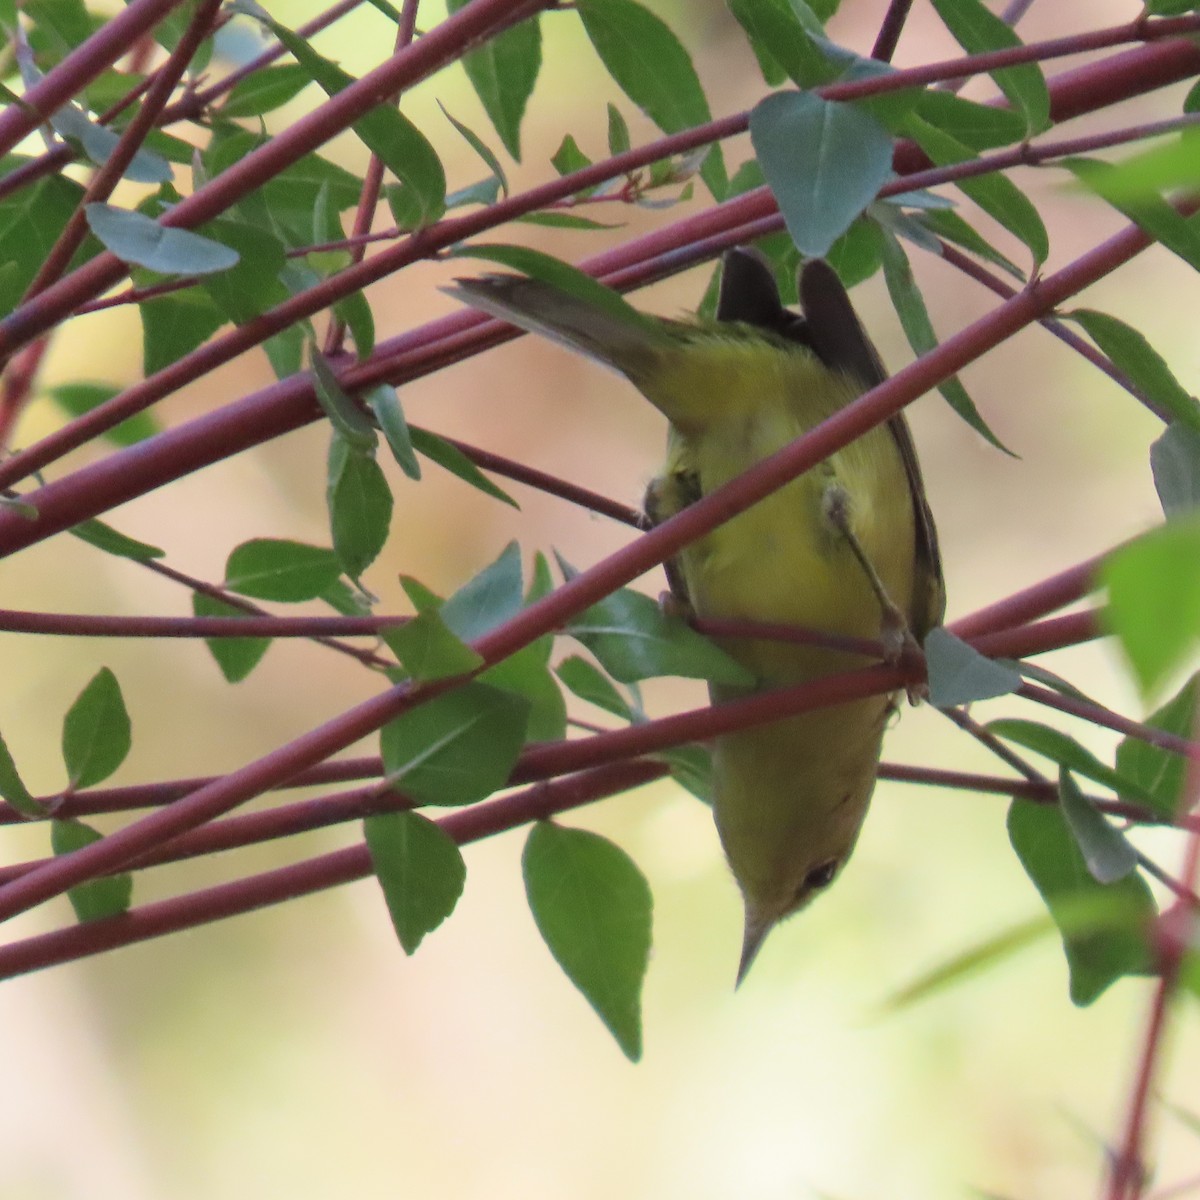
x=821, y=876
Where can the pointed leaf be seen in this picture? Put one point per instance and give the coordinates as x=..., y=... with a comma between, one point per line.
x=1104, y=927
x=427, y=649
x=503, y=72
x=236, y=657
x=456, y=748
x=914, y=318
x=135, y=238
x=279, y=569
x=1175, y=464
x=1154, y=598
x=12, y=786
x=634, y=639
x=1159, y=775
x=452, y=459
x=825, y=163
x=420, y=870
x=360, y=507
x=1106, y=851
x=105, y=897
x=1134, y=355
x=653, y=69
x=96, y=732
x=592, y=907
x=959, y=674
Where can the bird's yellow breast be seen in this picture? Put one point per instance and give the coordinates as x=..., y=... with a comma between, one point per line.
x=732, y=403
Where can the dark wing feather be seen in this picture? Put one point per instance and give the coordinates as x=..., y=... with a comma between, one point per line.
x=836, y=335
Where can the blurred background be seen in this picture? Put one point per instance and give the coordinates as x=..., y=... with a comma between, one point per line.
x=298, y=1052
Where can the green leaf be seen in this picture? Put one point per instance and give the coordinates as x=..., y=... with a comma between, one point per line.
x=979, y=31
x=105, y=897
x=1104, y=927
x=420, y=870
x=988, y=953
x=174, y=325
x=1106, y=851
x=97, y=142
x=350, y=423
x=618, y=132
x=235, y=657
x=503, y=72
x=385, y=404
x=31, y=221
x=389, y=135
x=589, y=683
x=356, y=313
x=652, y=68
x=568, y=158
x=279, y=569
x=1147, y=210
x=360, y=506
x=1067, y=753
x=1159, y=775
x=959, y=674
x=592, y=907
x=266, y=89
x=950, y=227
x=825, y=163
x=482, y=149
x=978, y=126
x=634, y=639
x=1164, y=167
x=914, y=319
x=1175, y=464
x=105, y=537
x=996, y=194
x=452, y=459
x=1154, y=598
x=489, y=599
x=781, y=42
x=527, y=674
x=252, y=286
x=691, y=768
x=427, y=649
x=456, y=748
x=79, y=398
x=1134, y=355
x=135, y=238
x=96, y=731
x=857, y=254
x=12, y=786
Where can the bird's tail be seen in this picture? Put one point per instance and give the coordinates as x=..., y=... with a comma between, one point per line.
x=603, y=326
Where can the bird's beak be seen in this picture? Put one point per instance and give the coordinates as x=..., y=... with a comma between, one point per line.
x=758, y=925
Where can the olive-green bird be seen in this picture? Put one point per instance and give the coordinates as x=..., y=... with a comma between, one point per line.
x=849, y=547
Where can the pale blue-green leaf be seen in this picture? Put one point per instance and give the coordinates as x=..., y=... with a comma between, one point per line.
x=959, y=674
x=135, y=238
x=825, y=162
x=1175, y=464
x=1107, y=853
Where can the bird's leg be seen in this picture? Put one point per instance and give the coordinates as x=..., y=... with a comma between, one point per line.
x=893, y=625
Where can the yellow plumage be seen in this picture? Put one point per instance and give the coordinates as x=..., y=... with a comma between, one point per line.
x=789, y=797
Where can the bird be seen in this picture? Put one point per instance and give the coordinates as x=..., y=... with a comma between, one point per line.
x=848, y=548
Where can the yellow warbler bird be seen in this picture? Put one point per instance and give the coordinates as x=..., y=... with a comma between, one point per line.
x=848, y=548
